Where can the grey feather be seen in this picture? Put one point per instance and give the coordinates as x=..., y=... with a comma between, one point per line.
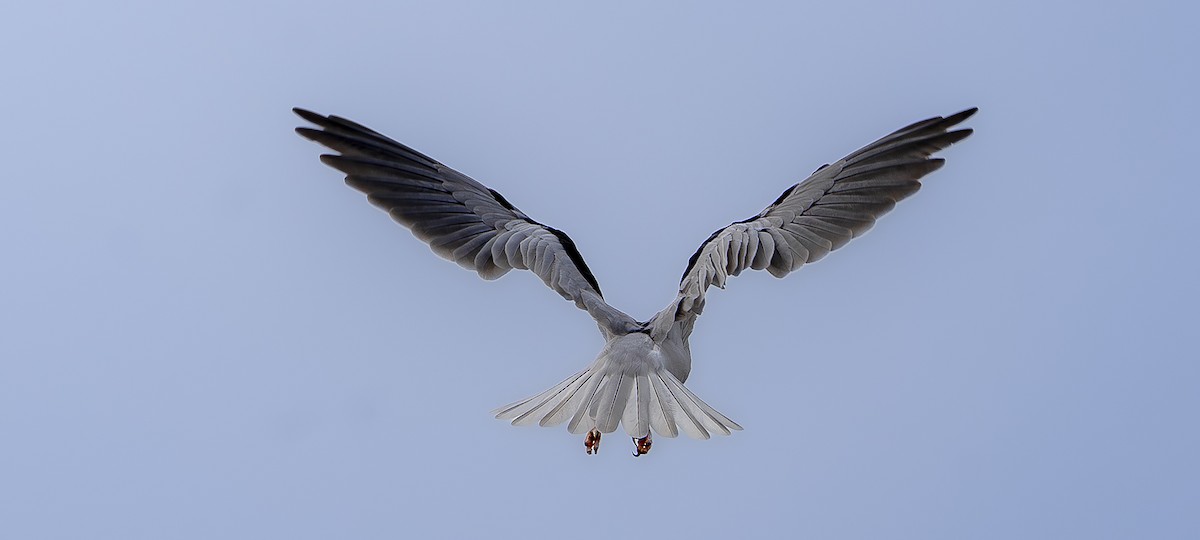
x=638, y=378
x=458, y=217
x=837, y=203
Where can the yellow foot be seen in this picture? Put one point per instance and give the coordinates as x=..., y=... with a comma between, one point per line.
x=592, y=442
x=642, y=445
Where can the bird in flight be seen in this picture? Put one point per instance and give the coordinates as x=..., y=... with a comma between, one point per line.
x=637, y=379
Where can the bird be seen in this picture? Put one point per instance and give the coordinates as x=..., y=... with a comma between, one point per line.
x=637, y=379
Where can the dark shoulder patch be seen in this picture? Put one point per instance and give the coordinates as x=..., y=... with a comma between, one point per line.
x=573, y=253
x=503, y=202
x=785, y=194
x=696, y=255
x=567, y=243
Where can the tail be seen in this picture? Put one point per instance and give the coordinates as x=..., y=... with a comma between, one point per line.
x=606, y=394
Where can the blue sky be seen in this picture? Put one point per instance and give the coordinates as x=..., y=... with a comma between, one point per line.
x=207, y=335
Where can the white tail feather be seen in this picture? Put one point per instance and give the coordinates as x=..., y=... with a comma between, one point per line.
x=607, y=394
x=520, y=408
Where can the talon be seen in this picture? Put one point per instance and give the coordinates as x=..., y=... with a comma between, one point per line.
x=642, y=445
x=592, y=442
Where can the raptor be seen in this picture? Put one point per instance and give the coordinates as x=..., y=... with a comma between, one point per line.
x=637, y=380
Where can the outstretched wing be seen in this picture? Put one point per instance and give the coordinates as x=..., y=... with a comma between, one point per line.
x=838, y=202
x=461, y=219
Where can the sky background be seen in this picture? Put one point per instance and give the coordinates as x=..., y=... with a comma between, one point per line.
x=205, y=334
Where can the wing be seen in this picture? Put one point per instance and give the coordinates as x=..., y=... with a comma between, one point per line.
x=461, y=219
x=840, y=201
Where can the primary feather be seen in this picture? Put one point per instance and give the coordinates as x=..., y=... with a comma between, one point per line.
x=638, y=378
x=837, y=203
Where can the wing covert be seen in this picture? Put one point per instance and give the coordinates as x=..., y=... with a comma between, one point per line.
x=461, y=219
x=837, y=203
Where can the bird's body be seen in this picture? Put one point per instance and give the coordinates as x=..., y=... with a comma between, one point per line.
x=637, y=379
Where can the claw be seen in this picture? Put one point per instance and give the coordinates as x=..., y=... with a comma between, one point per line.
x=642, y=445
x=592, y=442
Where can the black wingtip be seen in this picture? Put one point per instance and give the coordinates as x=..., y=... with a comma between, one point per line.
x=960, y=116
x=952, y=137
x=308, y=115
x=309, y=133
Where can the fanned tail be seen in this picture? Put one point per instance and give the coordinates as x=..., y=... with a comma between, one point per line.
x=610, y=393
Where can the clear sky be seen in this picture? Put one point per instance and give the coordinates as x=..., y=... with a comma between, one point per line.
x=205, y=334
